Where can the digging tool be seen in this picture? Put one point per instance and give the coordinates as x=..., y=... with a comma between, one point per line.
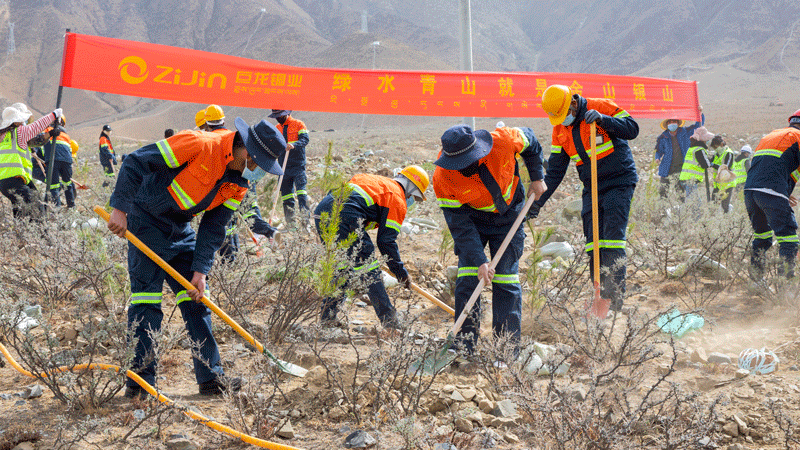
x=250, y=233
x=708, y=187
x=284, y=366
x=429, y=296
x=79, y=186
x=434, y=362
x=599, y=307
x=278, y=189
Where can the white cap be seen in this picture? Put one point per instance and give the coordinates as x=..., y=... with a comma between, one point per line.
x=746, y=149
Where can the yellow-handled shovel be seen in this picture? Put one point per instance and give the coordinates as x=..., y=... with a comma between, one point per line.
x=284, y=366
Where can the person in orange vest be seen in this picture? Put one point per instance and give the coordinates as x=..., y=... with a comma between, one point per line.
x=200, y=120
x=107, y=154
x=373, y=201
x=773, y=174
x=16, y=165
x=294, y=178
x=62, y=164
x=479, y=191
x=160, y=188
x=571, y=116
x=214, y=122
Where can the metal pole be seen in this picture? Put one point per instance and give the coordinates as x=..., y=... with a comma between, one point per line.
x=466, y=45
x=52, y=157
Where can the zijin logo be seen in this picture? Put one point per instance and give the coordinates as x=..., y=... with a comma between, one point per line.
x=125, y=73
x=168, y=75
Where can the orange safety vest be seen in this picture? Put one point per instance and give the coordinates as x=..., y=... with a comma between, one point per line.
x=207, y=155
x=777, y=142
x=562, y=137
x=62, y=137
x=453, y=189
x=291, y=129
x=104, y=141
x=384, y=192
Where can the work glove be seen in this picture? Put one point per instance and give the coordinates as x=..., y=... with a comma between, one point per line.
x=55, y=132
x=58, y=112
x=406, y=282
x=592, y=116
x=533, y=212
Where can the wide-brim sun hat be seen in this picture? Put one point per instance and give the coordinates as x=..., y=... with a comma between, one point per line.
x=280, y=113
x=23, y=108
x=13, y=115
x=461, y=146
x=681, y=122
x=264, y=143
x=702, y=134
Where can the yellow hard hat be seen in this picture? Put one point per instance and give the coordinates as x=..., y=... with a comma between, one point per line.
x=214, y=115
x=555, y=102
x=418, y=176
x=200, y=118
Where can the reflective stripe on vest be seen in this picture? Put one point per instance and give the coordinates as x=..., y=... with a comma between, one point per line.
x=167, y=154
x=357, y=189
x=768, y=152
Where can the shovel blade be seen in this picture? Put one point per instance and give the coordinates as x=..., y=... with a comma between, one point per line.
x=434, y=361
x=287, y=367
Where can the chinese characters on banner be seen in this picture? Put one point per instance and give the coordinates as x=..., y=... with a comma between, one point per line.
x=171, y=73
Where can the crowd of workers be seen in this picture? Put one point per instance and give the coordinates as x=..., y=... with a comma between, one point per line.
x=162, y=186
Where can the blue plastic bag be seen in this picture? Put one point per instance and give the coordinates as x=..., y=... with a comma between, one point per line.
x=678, y=324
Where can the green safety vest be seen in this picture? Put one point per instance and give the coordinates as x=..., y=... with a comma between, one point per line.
x=691, y=169
x=14, y=160
x=719, y=158
x=739, y=169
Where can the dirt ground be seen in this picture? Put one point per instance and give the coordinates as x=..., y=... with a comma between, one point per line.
x=735, y=320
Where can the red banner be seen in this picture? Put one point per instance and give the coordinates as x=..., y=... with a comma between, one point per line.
x=171, y=73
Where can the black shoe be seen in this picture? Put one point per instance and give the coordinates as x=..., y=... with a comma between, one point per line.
x=391, y=321
x=217, y=386
x=135, y=393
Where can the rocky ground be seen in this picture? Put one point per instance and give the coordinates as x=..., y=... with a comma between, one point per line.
x=341, y=403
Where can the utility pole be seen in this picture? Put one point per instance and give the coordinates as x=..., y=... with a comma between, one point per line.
x=375, y=45
x=466, y=45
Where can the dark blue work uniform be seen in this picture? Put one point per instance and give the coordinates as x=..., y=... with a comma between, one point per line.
x=161, y=187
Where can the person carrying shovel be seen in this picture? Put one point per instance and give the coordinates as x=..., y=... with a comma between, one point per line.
x=478, y=188
x=571, y=116
x=160, y=188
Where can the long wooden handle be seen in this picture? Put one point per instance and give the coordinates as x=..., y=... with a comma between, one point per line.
x=184, y=282
x=595, y=213
x=427, y=295
x=278, y=187
x=433, y=299
x=507, y=240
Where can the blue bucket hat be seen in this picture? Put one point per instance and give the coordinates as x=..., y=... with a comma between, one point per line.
x=462, y=147
x=280, y=113
x=264, y=143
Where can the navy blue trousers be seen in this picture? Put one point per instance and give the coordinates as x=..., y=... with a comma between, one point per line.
x=614, y=208
x=360, y=250
x=771, y=215
x=293, y=185
x=506, y=290
x=176, y=247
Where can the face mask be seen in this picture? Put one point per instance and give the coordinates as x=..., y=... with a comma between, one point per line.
x=253, y=175
x=568, y=120
x=672, y=126
x=409, y=201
